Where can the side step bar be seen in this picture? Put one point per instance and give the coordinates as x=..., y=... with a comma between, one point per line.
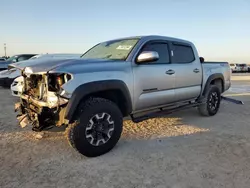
x=232, y=100
x=162, y=112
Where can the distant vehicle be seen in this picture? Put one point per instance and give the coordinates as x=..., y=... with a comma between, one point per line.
x=233, y=67
x=2, y=59
x=14, y=59
x=248, y=68
x=8, y=76
x=243, y=67
x=236, y=67
x=17, y=86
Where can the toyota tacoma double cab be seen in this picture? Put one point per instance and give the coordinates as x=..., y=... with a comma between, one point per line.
x=138, y=77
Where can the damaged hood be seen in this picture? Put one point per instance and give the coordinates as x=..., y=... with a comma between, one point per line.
x=42, y=65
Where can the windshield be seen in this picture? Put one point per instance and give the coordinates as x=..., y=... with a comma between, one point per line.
x=12, y=58
x=116, y=50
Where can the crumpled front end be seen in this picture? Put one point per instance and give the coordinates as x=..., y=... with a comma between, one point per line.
x=41, y=102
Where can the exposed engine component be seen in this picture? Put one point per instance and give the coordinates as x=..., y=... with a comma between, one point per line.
x=33, y=86
x=40, y=102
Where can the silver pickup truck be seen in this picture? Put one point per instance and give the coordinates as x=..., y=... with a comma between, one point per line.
x=137, y=77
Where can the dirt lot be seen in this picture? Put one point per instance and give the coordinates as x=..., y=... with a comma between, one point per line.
x=181, y=151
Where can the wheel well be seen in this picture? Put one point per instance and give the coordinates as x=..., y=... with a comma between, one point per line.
x=219, y=83
x=114, y=95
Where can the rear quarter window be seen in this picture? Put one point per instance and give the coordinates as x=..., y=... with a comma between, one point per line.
x=182, y=54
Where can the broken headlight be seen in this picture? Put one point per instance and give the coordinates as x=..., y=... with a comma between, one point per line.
x=56, y=80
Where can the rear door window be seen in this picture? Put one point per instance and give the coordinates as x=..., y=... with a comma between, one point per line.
x=182, y=53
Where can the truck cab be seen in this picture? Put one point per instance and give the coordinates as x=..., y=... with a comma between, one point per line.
x=175, y=76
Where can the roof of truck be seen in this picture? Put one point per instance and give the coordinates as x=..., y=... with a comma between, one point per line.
x=154, y=37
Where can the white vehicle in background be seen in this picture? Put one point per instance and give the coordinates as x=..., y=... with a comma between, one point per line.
x=243, y=67
x=15, y=74
x=17, y=86
x=235, y=67
x=248, y=67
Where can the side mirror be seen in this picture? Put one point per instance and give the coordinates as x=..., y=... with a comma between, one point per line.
x=202, y=59
x=14, y=60
x=147, y=56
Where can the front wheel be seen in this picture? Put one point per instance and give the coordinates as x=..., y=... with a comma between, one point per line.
x=98, y=128
x=212, y=105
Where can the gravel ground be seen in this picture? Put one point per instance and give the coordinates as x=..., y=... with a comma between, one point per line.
x=183, y=150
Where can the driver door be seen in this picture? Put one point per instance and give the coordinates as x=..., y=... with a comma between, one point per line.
x=154, y=82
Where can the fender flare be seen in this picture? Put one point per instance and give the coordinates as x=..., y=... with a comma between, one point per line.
x=93, y=87
x=211, y=78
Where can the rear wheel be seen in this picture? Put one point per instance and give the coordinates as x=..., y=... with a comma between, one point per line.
x=212, y=105
x=97, y=129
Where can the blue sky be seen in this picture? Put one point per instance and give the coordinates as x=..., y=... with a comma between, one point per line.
x=219, y=28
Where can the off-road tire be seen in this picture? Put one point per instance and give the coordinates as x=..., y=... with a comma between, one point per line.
x=205, y=109
x=76, y=132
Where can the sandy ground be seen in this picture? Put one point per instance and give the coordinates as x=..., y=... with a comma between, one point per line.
x=183, y=150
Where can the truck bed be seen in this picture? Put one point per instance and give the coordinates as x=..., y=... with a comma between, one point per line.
x=223, y=68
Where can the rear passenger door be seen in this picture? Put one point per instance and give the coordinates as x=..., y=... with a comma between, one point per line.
x=188, y=71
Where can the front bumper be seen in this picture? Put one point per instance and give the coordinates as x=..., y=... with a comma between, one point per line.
x=49, y=104
x=40, y=114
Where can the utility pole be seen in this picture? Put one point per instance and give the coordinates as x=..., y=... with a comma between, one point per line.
x=5, y=49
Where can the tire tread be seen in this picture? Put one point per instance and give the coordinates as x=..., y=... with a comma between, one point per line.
x=84, y=107
x=203, y=108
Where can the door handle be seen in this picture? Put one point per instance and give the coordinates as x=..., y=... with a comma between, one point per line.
x=196, y=70
x=170, y=72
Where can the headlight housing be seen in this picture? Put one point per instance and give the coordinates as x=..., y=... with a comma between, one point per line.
x=57, y=80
